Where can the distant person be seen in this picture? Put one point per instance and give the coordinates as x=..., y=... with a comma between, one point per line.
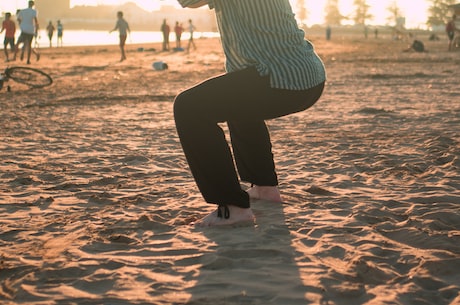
x=416, y=45
x=328, y=32
x=50, y=31
x=376, y=33
x=19, y=41
x=165, y=29
x=9, y=27
x=191, y=30
x=123, y=28
x=60, y=32
x=178, y=29
x=28, y=23
x=451, y=30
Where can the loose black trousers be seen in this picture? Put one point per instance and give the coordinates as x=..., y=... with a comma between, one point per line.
x=244, y=100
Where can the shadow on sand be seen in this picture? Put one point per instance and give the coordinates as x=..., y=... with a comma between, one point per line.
x=254, y=265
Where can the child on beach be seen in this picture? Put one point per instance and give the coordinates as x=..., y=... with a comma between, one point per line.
x=9, y=27
x=123, y=28
x=50, y=30
x=271, y=71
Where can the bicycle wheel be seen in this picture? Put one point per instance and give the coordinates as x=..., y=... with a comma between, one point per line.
x=29, y=76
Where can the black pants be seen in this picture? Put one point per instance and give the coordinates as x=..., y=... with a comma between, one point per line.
x=244, y=100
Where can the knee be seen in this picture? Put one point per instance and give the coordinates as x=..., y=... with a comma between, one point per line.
x=192, y=107
x=182, y=106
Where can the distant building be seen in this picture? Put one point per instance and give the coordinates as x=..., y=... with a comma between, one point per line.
x=51, y=10
x=103, y=17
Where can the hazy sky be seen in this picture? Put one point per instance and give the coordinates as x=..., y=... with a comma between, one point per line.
x=415, y=11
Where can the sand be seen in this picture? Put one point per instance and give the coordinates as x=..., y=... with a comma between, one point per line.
x=96, y=199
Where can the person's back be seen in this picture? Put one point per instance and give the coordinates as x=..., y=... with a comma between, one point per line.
x=28, y=23
x=26, y=17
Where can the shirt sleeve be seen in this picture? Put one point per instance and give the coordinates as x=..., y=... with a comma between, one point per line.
x=186, y=3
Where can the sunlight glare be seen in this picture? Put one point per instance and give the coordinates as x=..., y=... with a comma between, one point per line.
x=416, y=15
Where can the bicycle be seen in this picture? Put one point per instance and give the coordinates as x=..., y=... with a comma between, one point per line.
x=31, y=77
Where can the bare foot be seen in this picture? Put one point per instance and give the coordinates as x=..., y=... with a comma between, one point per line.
x=237, y=215
x=270, y=193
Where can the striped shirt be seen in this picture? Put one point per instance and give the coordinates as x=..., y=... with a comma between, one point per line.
x=264, y=34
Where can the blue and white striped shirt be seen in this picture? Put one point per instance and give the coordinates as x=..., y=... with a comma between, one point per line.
x=264, y=34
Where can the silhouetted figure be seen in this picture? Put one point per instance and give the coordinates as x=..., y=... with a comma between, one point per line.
x=451, y=30
x=191, y=30
x=50, y=30
x=178, y=29
x=165, y=29
x=123, y=28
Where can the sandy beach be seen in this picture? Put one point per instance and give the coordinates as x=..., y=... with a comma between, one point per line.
x=96, y=198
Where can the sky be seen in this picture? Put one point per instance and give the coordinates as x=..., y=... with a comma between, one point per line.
x=415, y=11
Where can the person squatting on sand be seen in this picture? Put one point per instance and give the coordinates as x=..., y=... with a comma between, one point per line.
x=271, y=71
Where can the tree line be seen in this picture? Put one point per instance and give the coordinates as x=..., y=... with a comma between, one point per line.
x=438, y=12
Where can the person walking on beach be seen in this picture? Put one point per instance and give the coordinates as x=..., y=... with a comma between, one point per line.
x=123, y=28
x=165, y=29
x=9, y=27
x=60, y=32
x=50, y=30
x=28, y=23
x=191, y=29
x=451, y=29
x=178, y=29
x=269, y=74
